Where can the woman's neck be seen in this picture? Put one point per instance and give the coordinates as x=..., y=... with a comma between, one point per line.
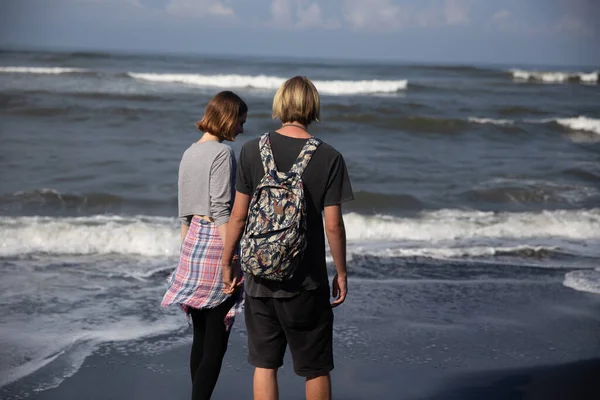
x=209, y=137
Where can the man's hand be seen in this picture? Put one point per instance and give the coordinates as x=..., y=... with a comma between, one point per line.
x=339, y=289
x=232, y=276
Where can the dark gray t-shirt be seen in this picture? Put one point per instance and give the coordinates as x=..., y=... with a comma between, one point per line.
x=326, y=183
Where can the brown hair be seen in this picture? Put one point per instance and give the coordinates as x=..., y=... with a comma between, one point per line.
x=297, y=100
x=221, y=115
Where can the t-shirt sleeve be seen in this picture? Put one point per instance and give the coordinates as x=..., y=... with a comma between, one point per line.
x=220, y=187
x=339, y=189
x=243, y=182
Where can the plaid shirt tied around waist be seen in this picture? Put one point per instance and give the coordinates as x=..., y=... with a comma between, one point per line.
x=197, y=281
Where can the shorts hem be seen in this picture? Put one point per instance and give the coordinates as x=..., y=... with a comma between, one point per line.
x=265, y=365
x=314, y=373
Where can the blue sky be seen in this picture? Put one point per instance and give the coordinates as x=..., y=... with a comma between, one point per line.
x=455, y=31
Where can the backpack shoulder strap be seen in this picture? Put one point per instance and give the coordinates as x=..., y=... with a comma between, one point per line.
x=305, y=156
x=266, y=154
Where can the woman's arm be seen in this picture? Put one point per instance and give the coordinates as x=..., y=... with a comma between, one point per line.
x=184, y=230
x=220, y=189
x=223, y=231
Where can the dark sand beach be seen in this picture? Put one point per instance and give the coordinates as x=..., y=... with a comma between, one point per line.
x=165, y=376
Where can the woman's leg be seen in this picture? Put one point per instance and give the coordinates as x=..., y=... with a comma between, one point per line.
x=215, y=346
x=199, y=326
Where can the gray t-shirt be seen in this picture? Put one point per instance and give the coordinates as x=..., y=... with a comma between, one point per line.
x=206, y=182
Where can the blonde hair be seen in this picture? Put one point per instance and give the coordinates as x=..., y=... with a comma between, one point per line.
x=297, y=100
x=221, y=115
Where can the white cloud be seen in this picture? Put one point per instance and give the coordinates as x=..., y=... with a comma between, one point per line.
x=294, y=14
x=281, y=11
x=199, y=8
x=500, y=15
x=456, y=12
x=380, y=14
x=578, y=17
x=134, y=3
x=573, y=24
x=310, y=16
x=446, y=12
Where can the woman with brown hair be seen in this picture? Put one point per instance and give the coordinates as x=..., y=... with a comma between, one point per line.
x=205, y=195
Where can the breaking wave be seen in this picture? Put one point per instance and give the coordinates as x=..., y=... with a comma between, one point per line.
x=583, y=281
x=554, y=77
x=571, y=231
x=580, y=123
x=41, y=70
x=265, y=82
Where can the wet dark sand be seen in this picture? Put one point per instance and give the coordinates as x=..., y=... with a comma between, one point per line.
x=165, y=376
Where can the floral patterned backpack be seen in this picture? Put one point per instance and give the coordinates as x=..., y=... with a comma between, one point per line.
x=274, y=239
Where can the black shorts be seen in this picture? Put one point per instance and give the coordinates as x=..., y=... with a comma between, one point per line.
x=305, y=322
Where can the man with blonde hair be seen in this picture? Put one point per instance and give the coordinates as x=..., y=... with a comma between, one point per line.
x=290, y=308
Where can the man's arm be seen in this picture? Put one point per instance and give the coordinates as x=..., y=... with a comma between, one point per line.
x=235, y=228
x=336, y=235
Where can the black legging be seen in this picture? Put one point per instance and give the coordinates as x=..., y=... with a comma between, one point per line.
x=208, y=348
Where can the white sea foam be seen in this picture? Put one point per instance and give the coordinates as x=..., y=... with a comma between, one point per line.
x=458, y=225
x=40, y=70
x=146, y=236
x=491, y=121
x=581, y=123
x=481, y=253
x=454, y=233
x=570, y=230
x=583, y=281
x=554, y=77
x=460, y=252
x=81, y=302
x=264, y=82
x=27, y=368
x=67, y=350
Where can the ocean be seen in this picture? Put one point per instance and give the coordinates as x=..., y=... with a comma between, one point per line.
x=473, y=239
